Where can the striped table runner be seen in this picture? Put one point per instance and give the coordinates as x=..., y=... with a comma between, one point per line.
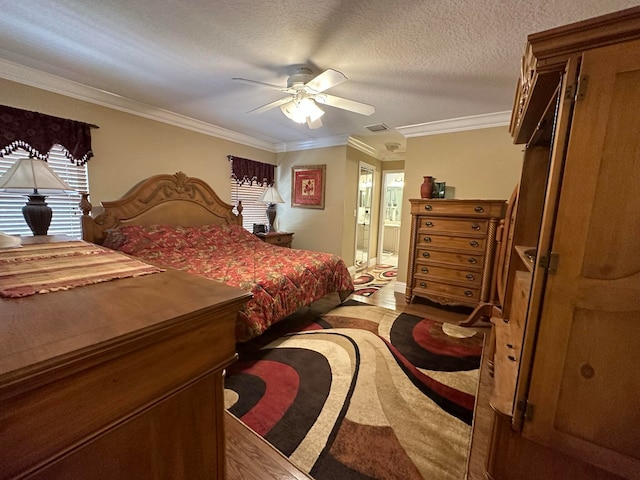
x=49, y=267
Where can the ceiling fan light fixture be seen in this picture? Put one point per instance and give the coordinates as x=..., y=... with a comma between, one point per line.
x=290, y=110
x=310, y=109
x=299, y=111
x=306, y=91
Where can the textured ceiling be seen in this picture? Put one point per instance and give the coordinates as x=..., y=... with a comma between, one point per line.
x=416, y=61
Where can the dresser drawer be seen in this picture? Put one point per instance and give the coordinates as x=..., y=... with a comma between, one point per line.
x=452, y=258
x=473, y=245
x=452, y=225
x=470, y=208
x=280, y=239
x=424, y=287
x=448, y=274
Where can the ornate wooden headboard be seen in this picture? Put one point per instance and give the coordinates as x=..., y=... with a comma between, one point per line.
x=160, y=200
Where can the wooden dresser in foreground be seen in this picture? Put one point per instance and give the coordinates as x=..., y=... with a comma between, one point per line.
x=117, y=380
x=452, y=250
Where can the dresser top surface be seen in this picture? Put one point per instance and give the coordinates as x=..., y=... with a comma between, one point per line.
x=42, y=327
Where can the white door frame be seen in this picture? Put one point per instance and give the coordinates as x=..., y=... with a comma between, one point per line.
x=382, y=209
x=372, y=168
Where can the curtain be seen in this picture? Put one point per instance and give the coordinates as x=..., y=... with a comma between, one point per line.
x=37, y=133
x=248, y=171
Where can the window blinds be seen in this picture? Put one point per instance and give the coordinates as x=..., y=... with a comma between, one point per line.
x=66, y=213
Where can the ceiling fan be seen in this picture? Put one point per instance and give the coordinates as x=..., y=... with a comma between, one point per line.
x=304, y=91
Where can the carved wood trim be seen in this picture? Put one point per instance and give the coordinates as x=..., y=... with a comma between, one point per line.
x=489, y=255
x=185, y=201
x=412, y=259
x=547, y=53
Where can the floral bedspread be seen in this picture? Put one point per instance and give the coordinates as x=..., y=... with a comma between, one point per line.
x=281, y=279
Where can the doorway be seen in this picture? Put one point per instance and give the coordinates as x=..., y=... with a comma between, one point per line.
x=363, y=216
x=390, y=216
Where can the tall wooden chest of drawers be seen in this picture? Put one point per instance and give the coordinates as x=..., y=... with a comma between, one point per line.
x=452, y=250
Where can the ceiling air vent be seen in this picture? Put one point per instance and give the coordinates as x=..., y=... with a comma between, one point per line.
x=378, y=127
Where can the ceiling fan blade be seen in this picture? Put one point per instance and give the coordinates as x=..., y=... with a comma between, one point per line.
x=269, y=106
x=315, y=123
x=345, y=104
x=259, y=84
x=327, y=79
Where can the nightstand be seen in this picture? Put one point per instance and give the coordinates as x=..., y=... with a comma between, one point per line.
x=282, y=239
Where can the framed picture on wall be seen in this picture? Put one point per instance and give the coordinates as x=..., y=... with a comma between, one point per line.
x=307, y=186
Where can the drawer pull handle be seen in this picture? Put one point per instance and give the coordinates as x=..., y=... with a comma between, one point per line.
x=512, y=358
x=475, y=226
x=425, y=254
x=423, y=284
x=428, y=224
x=479, y=209
x=427, y=239
x=468, y=293
x=470, y=277
x=428, y=208
x=472, y=260
x=473, y=243
x=424, y=270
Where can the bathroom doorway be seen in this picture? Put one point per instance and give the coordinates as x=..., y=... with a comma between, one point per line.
x=363, y=216
x=390, y=216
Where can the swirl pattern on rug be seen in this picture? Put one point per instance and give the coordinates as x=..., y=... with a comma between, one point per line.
x=369, y=282
x=363, y=392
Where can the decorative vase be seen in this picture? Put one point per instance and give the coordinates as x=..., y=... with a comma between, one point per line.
x=426, y=189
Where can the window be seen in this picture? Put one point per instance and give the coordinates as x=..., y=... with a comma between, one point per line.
x=66, y=213
x=253, y=211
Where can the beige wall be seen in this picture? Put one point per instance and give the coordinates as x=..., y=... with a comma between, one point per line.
x=129, y=148
x=332, y=229
x=478, y=164
x=314, y=229
x=393, y=165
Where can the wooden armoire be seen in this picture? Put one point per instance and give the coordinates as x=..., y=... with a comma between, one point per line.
x=566, y=358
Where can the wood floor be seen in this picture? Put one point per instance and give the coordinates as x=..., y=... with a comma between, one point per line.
x=249, y=457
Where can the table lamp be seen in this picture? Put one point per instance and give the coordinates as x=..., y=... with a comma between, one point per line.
x=271, y=197
x=34, y=178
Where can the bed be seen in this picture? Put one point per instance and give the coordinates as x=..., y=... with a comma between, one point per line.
x=179, y=222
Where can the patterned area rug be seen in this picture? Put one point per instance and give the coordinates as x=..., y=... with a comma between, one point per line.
x=363, y=393
x=374, y=279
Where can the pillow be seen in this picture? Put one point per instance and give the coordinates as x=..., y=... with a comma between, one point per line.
x=132, y=239
x=165, y=236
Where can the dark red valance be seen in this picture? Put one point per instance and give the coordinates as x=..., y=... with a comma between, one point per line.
x=37, y=133
x=244, y=170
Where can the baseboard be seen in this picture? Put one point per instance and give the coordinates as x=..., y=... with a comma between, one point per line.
x=400, y=287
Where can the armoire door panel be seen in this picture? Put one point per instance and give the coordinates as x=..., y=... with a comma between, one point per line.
x=612, y=241
x=600, y=384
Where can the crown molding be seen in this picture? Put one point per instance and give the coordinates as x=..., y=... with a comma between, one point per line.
x=52, y=83
x=498, y=119
x=336, y=141
x=363, y=147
